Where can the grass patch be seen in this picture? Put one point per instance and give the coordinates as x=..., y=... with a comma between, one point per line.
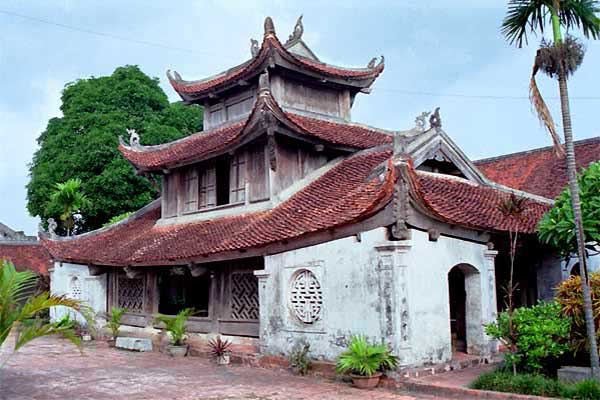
x=536, y=385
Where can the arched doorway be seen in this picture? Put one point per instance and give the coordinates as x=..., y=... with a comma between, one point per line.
x=464, y=291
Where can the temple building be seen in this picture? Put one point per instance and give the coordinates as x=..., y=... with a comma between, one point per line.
x=285, y=221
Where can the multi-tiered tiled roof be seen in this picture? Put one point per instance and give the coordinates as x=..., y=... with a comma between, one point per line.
x=273, y=53
x=362, y=187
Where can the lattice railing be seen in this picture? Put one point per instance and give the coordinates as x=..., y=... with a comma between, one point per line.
x=244, y=296
x=130, y=293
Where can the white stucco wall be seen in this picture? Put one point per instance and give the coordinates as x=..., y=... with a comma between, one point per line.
x=392, y=291
x=93, y=289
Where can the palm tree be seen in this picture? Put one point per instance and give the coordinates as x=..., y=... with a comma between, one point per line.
x=70, y=200
x=560, y=59
x=18, y=307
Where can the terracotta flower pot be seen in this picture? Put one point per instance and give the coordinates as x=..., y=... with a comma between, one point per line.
x=366, y=382
x=223, y=359
x=177, y=351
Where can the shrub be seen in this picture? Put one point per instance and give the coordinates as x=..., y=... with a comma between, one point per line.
x=536, y=385
x=541, y=333
x=175, y=325
x=585, y=390
x=570, y=297
x=219, y=347
x=363, y=358
x=299, y=360
x=114, y=320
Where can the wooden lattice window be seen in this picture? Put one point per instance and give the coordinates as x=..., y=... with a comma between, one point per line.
x=130, y=293
x=306, y=296
x=244, y=296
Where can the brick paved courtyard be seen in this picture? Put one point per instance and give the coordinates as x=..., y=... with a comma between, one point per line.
x=53, y=369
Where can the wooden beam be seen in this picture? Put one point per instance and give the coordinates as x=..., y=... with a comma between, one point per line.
x=95, y=270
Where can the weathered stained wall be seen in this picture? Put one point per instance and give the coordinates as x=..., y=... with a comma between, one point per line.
x=65, y=278
x=390, y=291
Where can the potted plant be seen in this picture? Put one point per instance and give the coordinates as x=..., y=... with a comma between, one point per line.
x=114, y=323
x=220, y=350
x=365, y=362
x=175, y=328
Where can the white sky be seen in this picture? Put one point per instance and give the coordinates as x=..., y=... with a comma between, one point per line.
x=446, y=53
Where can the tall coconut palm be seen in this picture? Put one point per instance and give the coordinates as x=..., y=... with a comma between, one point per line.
x=70, y=200
x=560, y=59
x=18, y=306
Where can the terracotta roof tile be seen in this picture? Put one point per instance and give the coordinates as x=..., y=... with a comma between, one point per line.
x=342, y=195
x=538, y=171
x=26, y=256
x=253, y=67
x=463, y=203
x=204, y=144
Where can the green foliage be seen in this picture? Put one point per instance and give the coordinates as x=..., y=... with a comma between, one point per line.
x=363, y=358
x=540, y=333
x=175, y=325
x=557, y=227
x=533, y=16
x=68, y=199
x=569, y=294
x=118, y=218
x=536, y=385
x=299, y=360
x=83, y=143
x=114, y=321
x=19, y=307
x=584, y=390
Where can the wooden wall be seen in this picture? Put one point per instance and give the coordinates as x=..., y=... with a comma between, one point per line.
x=233, y=300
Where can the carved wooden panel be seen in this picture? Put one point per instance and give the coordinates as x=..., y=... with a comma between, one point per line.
x=306, y=296
x=244, y=296
x=130, y=293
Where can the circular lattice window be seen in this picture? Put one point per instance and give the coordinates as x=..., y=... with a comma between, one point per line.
x=75, y=288
x=306, y=297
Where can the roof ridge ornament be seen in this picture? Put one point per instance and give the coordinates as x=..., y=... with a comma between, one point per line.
x=435, y=121
x=134, y=138
x=420, y=121
x=297, y=32
x=52, y=225
x=269, y=27
x=254, y=48
x=373, y=63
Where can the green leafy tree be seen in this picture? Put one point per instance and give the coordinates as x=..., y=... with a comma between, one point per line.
x=539, y=332
x=559, y=59
x=557, y=227
x=69, y=200
x=18, y=307
x=83, y=143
